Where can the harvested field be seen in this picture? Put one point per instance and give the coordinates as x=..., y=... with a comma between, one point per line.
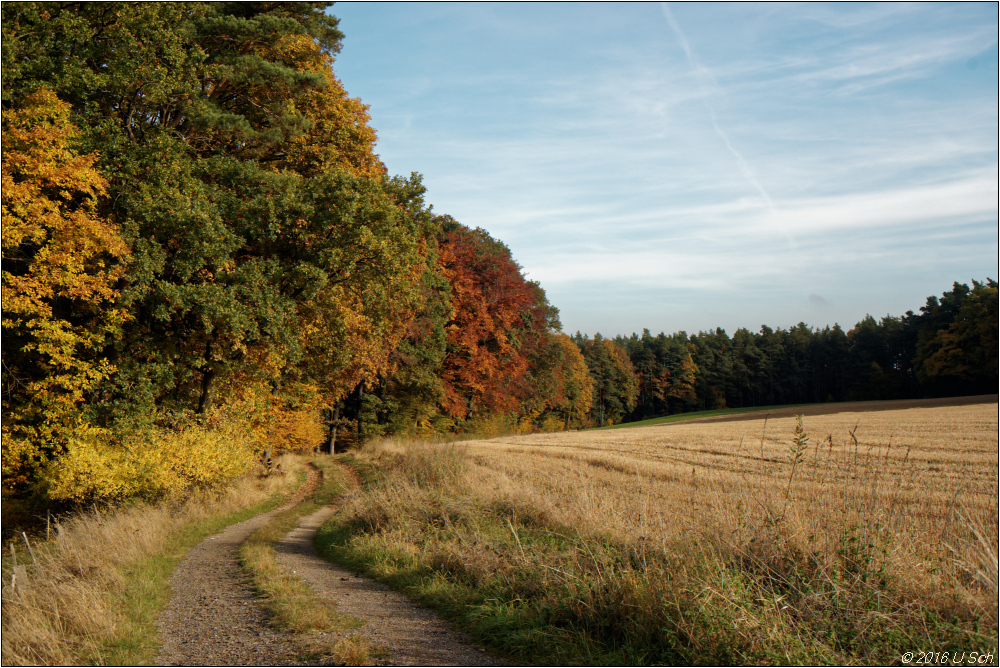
x=923, y=479
x=830, y=539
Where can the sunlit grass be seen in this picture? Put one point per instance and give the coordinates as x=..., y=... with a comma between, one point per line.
x=852, y=540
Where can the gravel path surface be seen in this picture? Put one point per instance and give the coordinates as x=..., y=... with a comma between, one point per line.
x=412, y=635
x=214, y=617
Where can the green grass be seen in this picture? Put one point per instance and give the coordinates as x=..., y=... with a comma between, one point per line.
x=681, y=417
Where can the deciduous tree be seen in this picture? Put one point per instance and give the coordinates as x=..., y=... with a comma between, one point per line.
x=61, y=264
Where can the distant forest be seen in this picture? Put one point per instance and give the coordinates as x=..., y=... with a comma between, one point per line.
x=198, y=238
x=949, y=348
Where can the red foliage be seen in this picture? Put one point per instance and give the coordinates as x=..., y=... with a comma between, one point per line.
x=490, y=326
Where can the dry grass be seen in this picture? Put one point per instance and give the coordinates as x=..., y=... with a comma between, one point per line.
x=76, y=602
x=739, y=542
x=925, y=479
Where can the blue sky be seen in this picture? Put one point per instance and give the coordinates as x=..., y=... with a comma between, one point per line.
x=689, y=166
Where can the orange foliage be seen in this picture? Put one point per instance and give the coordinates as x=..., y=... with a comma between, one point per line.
x=489, y=296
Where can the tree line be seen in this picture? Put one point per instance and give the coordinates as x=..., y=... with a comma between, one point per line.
x=196, y=224
x=194, y=218
x=948, y=348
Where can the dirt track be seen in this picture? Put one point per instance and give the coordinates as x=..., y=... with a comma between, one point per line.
x=413, y=636
x=214, y=617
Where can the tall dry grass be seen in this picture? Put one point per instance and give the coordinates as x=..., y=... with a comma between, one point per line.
x=70, y=609
x=827, y=540
x=919, y=483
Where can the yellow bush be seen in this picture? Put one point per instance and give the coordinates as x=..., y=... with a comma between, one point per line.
x=491, y=425
x=551, y=423
x=151, y=465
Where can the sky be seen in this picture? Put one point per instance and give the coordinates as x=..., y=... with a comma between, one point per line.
x=692, y=166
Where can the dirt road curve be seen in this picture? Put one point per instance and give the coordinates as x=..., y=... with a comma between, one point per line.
x=214, y=618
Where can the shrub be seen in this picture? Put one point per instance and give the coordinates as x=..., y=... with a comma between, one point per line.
x=153, y=464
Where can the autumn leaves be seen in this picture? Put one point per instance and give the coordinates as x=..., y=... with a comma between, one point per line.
x=195, y=219
x=62, y=261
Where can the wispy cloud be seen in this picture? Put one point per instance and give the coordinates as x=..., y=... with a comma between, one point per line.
x=665, y=155
x=704, y=75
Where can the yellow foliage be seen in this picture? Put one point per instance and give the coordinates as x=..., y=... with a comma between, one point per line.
x=61, y=263
x=366, y=341
x=152, y=465
x=526, y=424
x=425, y=427
x=577, y=392
x=285, y=422
x=551, y=423
x=296, y=430
x=491, y=425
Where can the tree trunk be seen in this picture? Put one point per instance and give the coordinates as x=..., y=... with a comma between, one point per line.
x=333, y=430
x=207, y=391
x=361, y=427
x=207, y=381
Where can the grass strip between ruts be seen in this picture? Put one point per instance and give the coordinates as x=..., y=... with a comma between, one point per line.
x=289, y=601
x=148, y=590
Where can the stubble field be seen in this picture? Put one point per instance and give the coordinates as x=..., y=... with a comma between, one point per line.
x=925, y=477
x=831, y=538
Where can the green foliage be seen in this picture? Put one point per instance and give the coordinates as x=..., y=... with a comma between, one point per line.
x=264, y=242
x=192, y=108
x=615, y=384
x=948, y=349
x=956, y=349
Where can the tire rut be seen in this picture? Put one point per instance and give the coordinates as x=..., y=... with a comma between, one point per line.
x=214, y=617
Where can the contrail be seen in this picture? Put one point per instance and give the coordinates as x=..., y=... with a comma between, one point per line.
x=705, y=78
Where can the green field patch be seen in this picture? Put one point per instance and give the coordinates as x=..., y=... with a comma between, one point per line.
x=695, y=415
